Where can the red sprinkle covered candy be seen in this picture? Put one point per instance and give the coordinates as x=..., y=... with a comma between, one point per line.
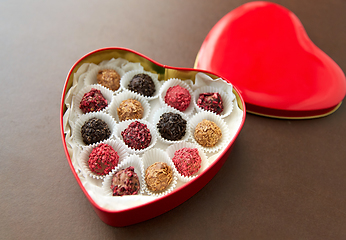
x=93, y=101
x=137, y=135
x=103, y=159
x=178, y=97
x=187, y=161
x=211, y=102
x=125, y=182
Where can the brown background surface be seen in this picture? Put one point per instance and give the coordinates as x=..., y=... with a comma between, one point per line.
x=284, y=179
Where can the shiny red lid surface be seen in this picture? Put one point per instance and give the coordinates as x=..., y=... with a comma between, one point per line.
x=263, y=49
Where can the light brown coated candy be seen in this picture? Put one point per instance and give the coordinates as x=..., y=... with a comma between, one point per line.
x=158, y=176
x=207, y=133
x=109, y=78
x=130, y=109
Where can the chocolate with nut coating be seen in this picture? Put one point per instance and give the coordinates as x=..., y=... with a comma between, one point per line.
x=158, y=176
x=207, y=133
x=109, y=78
x=130, y=109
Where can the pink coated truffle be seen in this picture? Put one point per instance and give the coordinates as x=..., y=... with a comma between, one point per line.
x=125, y=182
x=103, y=159
x=211, y=101
x=178, y=97
x=187, y=161
x=137, y=135
x=93, y=101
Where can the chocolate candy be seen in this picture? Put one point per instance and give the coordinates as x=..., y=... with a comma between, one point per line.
x=211, y=102
x=171, y=126
x=95, y=130
x=109, y=78
x=178, y=98
x=158, y=176
x=125, y=182
x=130, y=109
x=142, y=84
x=207, y=133
x=137, y=135
x=103, y=159
x=93, y=101
x=187, y=161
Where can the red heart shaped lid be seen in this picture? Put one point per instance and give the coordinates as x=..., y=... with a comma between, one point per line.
x=263, y=49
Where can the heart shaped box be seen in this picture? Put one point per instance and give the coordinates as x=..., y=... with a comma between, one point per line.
x=263, y=49
x=180, y=194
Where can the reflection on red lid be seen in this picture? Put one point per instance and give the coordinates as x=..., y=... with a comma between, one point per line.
x=263, y=49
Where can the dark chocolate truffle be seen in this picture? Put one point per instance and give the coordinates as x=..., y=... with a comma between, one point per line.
x=158, y=176
x=211, y=102
x=95, y=130
x=207, y=133
x=137, y=135
x=130, y=109
x=103, y=159
x=93, y=101
x=125, y=182
x=142, y=84
x=109, y=78
x=171, y=126
x=178, y=98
